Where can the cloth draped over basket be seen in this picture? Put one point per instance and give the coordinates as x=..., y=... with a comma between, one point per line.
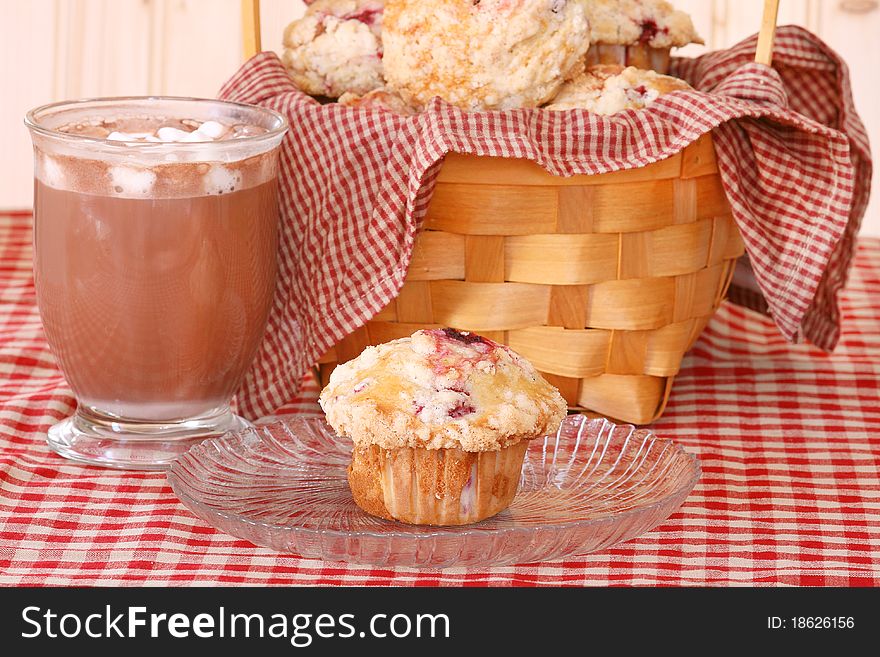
x=355, y=186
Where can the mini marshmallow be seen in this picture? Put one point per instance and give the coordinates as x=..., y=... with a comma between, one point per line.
x=212, y=129
x=51, y=173
x=127, y=181
x=222, y=180
x=171, y=134
x=196, y=136
x=129, y=138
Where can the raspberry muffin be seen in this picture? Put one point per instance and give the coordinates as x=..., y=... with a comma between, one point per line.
x=637, y=33
x=491, y=54
x=336, y=47
x=611, y=89
x=440, y=423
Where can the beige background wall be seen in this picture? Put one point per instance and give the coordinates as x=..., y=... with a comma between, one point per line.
x=57, y=49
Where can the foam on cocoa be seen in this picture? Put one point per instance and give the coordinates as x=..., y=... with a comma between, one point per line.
x=150, y=157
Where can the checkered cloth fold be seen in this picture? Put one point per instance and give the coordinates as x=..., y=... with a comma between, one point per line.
x=355, y=185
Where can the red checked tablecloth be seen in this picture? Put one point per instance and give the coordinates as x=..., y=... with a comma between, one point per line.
x=789, y=440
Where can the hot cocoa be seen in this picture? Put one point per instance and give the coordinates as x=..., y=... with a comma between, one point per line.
x=155, y=240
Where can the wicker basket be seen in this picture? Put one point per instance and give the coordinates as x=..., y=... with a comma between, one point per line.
x=602, y=282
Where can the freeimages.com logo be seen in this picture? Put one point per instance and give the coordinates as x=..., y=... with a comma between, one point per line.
x=300, y=629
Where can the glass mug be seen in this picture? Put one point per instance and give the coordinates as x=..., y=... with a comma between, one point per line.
x=154, y=264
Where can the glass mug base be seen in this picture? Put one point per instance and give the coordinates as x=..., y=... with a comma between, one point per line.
x=110, y=442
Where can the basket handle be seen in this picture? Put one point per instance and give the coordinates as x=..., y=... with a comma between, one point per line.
x=250, y=28
x=764, y=53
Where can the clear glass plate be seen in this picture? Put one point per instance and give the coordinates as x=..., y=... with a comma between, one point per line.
x=284, y=486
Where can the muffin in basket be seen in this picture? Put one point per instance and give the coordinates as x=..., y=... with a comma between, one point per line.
x=611, y=89
x=440, y=422
x=379, y=99
x=637, y=33
x=336, y=47
x=492, y=54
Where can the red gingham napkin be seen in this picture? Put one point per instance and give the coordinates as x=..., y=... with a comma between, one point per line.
x=355, y=185
x=773, y=177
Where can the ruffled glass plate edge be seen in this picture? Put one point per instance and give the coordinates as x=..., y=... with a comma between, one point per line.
x=664, y=507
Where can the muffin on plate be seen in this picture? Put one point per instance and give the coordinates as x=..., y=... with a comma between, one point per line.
x=611, y=89
x=492, y=54
x=336, y=47
x=440, y=422
x=637, y=33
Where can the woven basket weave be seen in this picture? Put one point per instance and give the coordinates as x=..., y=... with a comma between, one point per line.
x=602, y=282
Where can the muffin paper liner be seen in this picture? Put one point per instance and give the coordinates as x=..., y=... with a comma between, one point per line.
x=435, y=486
